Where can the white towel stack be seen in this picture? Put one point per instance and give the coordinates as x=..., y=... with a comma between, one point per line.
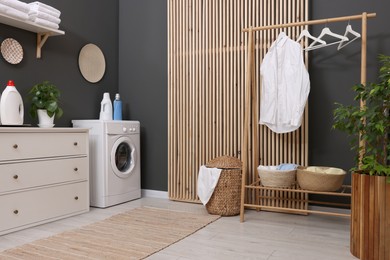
x=15, y=9
x=44, y=15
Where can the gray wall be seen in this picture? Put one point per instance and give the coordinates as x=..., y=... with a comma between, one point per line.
x=143, y=83
x=333, y=73
x=87, y=21
x=135, y=48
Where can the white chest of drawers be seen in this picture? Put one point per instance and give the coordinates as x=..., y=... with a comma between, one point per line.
x=44, y=175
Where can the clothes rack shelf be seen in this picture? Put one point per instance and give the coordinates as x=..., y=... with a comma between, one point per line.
x=285, y=203
x=42, y=32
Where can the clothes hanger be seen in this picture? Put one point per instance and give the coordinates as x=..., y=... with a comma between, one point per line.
x=324, y=32
x=347, y=31
x=305, y=33
x=280, y=36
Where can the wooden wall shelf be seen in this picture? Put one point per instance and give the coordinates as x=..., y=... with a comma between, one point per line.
x=42, y=32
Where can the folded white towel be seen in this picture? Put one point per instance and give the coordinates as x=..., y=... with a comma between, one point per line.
x=12, y=12
x=51, y=8
x=21, y=6
x=207, y=181
x=46, y=23
x=38, y=6
x=38, y=14
x=268, y=167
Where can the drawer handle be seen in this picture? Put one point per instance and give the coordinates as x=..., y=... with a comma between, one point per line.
x=16, y=212
x=76, y=198
x=15, y=146
x=75, y=143
x=76, y=169
x=16, y=176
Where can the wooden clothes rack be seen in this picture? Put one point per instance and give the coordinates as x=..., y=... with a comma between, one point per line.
x=250, y=88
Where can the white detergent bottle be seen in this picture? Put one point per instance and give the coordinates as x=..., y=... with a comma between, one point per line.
x=106, y=107
x=11, y=106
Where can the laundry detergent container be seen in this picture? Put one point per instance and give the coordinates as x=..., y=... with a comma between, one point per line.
x=226, y=197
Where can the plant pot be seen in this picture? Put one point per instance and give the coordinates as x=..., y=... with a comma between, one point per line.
x=370, y=217
x=44, y=120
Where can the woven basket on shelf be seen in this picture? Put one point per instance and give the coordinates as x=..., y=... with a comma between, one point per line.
x=225, y=200
x=277, y=178
x=317, y=181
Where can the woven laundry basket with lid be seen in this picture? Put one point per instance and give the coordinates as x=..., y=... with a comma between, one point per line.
x=226, y=197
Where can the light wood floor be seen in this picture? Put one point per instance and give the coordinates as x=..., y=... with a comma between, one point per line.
x=263, y=235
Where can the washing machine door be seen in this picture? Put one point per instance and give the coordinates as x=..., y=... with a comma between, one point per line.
x=123, y=157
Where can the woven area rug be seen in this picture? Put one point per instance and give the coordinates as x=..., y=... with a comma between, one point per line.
x=135, y=234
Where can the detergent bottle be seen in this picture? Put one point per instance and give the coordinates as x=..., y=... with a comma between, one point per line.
x=11, y=106
x=117, y=107
x=106, y=107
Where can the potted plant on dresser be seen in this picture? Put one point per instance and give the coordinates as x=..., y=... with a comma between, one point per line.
x=369, y=126
x=44, y=99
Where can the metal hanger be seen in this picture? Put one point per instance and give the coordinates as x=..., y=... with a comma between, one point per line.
x=348, y=30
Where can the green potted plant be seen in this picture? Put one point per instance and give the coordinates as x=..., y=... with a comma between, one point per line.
x=368, y=125
x=44, y=99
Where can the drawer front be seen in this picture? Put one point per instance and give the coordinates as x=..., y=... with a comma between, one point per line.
x=23, y=175
x=15, y=146
x=40, y=205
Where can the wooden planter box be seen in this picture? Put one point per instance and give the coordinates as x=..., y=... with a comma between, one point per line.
x=370, y=217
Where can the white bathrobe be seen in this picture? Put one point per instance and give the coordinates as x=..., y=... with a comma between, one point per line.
x=285, y=86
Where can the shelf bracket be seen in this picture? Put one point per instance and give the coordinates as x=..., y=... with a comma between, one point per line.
x=41, y=39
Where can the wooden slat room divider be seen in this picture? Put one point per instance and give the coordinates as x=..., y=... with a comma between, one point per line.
x=206, y=84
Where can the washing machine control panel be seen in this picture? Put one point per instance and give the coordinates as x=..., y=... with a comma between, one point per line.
x=123, y=127
x=132, y=129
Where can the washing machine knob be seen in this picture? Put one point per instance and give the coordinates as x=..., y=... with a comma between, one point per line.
x=124, y=129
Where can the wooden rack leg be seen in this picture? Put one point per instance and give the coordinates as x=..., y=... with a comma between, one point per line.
x=244, y=151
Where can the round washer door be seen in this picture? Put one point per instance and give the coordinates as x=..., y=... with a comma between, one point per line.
x=123, y=157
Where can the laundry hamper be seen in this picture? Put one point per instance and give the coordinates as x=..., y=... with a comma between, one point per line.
x=226, y=197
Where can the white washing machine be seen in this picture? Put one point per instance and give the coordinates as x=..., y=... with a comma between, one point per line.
x=115, y=161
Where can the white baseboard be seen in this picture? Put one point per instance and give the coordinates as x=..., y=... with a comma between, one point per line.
x=154, y=194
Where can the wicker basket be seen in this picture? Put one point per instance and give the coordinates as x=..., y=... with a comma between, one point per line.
x=226, y=197
x=276, y=178
x=317, y=181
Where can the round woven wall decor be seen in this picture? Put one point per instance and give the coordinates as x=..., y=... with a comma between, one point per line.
x=92, y=63
x=12, y=51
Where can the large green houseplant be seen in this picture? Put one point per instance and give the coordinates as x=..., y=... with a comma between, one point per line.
x=368, y=124
x=45, y=96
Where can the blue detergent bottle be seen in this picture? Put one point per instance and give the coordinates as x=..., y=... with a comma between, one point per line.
x=117, y=107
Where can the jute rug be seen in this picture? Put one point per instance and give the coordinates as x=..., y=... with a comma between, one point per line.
x=135, y=234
